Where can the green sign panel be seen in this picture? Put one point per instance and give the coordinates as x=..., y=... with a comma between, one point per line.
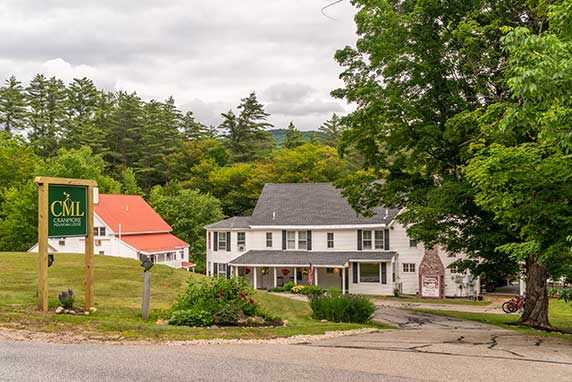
x=67, y=211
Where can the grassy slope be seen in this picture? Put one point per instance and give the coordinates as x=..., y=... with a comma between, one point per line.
x=118, y=288
x=560, y=315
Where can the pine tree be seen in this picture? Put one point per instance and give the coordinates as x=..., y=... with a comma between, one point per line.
x=45, y=112
x=331, y=130
x=246, y=134
x=193, y=130
x=294, y=137
x=82, y=105
x=12, y=106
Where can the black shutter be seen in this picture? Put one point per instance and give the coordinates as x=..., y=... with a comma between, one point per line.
x=359, y=239
x=228, y=271
x=354, y=273
x=215, y=241
x=386, y=239
x=283, y=239
x=309, y=240
x=228, y=241
x=384, y=273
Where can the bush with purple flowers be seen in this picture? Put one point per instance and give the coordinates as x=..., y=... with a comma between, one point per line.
x=67, y=299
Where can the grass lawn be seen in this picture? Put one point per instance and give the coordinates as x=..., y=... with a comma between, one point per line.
x=560, y=315
x=118, y=290
x=448, y=301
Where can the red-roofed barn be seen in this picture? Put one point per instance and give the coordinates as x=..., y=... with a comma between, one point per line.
x=126, y=226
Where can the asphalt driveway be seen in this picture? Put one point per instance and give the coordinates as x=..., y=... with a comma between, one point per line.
x=427, y=348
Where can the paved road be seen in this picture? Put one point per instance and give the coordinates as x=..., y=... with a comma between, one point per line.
x=430, y=348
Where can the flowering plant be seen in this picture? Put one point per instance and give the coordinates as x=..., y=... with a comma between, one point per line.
x=285, y=271
x=265, y=270
x=67, y=298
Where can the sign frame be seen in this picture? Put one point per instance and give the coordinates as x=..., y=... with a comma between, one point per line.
x=43, y=216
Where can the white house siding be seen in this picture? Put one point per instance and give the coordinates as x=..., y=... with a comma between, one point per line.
x=345, y=239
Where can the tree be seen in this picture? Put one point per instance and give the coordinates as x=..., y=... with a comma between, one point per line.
x=18, y=217
x=45, y=115
x=187, y=211
x=130, y=186
x=192, y=130
x=524, y=177
x=12, y=106
x=294, y=137
x=420, y=75
x=331, y=131
x=246, y=134
x=17, y=161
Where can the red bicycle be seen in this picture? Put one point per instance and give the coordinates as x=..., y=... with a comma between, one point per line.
x=514, y=304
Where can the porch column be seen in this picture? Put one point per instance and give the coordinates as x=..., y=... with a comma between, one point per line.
x=344, y=280
x=236, y=271
x=275, y=281
x=255, y=279
x=295, y=277
x=315, y=276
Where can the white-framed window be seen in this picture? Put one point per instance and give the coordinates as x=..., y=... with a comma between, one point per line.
x=369, y=273
x=221, y=269
x=102, y=252
x=366, y=240
x=330, y=239
x=241, y=240
x=98, y=231
x=268, y=239
x=62, y=242
x=412, y=243
x=379, y=240
x=302, y=239
x=291, y=239
x=409, y=267
x=221, y=241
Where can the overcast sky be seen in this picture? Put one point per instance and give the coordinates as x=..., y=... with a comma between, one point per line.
x=207, y=54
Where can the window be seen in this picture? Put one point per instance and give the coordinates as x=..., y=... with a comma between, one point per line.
x=409, y=267
x=330, y=240
x=62, y=242
x=291, y=239
x=366, y=240
x=369, y=272
x=220, y=269
x=378, y=239
x=102, y=252
x=268, y=239
x=97, y=243
x=302, y=240
x=412, y=243
x=221, y=241
x=101, y=231
x=169, y=256
x=241, y=240
x=95, y=231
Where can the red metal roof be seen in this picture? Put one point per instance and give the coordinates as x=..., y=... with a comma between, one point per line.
x=158, y=242
x=132, y=212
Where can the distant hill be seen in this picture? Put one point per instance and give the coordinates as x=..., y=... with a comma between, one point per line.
x=280, y=135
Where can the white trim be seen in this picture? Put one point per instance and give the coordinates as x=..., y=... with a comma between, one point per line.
x=289, y=265
x=123, y=233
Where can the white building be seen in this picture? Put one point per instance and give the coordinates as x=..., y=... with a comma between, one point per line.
x=126, y=226
x=296, y=228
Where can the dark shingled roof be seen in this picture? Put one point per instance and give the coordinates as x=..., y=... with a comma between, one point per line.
x=234, y=222
x=310, y=204
x=304, y=258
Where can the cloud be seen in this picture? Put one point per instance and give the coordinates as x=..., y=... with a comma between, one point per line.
x=212, y=51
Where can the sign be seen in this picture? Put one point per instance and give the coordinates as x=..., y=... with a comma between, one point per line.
x=187, y=264
x=430, y=286
x=67, y=210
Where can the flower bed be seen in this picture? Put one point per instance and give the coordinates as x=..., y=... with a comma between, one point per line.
x=222, y=302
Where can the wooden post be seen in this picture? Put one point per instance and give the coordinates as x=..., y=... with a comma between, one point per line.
x=88, y=279
x=146, y=295
x=43, y=247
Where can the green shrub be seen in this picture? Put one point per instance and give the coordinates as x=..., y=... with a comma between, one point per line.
x=297, y=289
x=342, y=308
x=216, y=300
x=195, y=317
x=312, y=290
x=288, y=286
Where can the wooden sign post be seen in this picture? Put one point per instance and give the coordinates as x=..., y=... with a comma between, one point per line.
x=65, y=209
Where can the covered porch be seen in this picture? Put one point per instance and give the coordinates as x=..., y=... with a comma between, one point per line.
x=271, y=269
